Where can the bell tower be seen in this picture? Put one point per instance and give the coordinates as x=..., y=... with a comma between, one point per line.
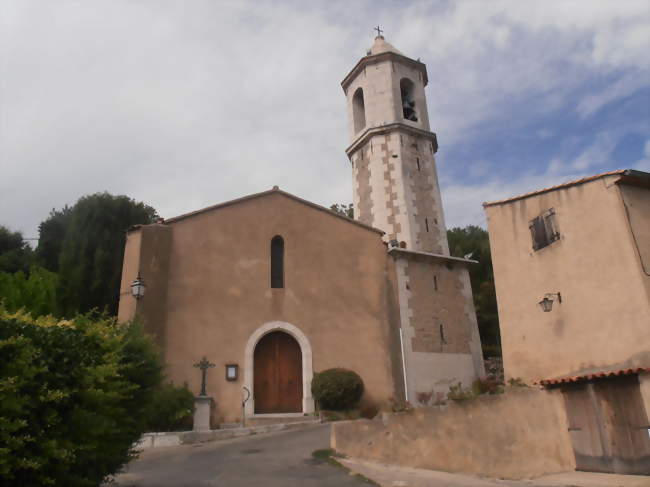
x=392, y=149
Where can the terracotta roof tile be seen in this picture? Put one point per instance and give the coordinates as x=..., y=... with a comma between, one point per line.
x=594, y=375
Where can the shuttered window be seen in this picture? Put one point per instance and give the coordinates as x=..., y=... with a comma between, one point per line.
x=543, y=229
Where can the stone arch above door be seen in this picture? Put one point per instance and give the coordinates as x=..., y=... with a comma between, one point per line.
x=307, y=367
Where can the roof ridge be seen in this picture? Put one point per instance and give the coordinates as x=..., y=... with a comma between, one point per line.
x=567, y=184
x=277, y=190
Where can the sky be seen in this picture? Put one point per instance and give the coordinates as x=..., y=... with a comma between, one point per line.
x=186, y=104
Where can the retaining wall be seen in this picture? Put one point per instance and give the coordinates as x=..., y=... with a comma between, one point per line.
x=520, y=434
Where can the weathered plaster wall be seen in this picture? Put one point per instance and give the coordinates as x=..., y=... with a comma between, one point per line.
x=154, y=270
x=130, y=266
x=520, y=434
x=441, y=340
x=636, y=204
x=147, y=253
x=603, y=319
x=337, y=279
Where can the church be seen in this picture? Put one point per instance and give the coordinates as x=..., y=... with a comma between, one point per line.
x=272, y=288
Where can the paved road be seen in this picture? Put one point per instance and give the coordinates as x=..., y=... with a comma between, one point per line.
x=281, y=459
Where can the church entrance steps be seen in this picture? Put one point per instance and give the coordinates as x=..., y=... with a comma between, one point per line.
x=280, y=418
x=175, y=438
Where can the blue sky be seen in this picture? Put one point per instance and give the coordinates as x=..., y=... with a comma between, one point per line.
x=186, y=104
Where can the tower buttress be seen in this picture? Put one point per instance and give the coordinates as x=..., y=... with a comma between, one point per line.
x=395, y=182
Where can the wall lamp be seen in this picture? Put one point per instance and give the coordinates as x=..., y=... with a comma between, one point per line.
x=138, y=287
x=547, y=302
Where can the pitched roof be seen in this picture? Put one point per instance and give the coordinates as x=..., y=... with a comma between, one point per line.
x=275, y=190
x=559, y=186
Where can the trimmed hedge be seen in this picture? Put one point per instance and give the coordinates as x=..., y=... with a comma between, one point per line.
x=337, y=389
x=74, y=397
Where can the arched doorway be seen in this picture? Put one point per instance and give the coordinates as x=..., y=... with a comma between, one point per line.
x=277, y=374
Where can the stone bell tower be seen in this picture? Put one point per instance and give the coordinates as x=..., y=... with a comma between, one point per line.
x=396, y=189
x=392, y=149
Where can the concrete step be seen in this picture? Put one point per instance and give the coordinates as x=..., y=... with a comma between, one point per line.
x=288, y=418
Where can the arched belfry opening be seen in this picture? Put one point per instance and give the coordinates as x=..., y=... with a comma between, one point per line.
x=407, y=90
x=358, y=110
x=277, y=262
x=277, y=374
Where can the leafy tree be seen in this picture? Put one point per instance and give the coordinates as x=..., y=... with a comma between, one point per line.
x=92, y=249
x=475, y=241
x=15, y=254
x=34, y=292
x=51, y=235
x=75, y=397
x=343, y=209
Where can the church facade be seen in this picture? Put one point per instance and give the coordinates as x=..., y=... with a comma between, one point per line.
x=272, y=288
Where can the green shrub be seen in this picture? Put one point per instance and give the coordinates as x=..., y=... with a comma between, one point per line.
x=337, y=389
x=74, y=397
x=170, y=409
x=479, y=387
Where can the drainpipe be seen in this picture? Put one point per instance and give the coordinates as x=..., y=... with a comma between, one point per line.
x=401, y=344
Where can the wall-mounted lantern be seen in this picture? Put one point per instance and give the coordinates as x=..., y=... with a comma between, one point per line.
x=547, y=303
x=138, y=287
x=232, y=372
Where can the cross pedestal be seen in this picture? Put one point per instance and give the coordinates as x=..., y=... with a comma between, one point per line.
x=202, y=406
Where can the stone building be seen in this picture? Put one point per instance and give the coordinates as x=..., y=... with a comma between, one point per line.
x=272, y=288
x=572, y=273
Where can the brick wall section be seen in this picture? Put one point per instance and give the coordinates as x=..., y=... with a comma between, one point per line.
x=433, y=309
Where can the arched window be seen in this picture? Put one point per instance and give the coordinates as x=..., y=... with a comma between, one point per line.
x=407, y=90
x=358, y=110
x=277, y=262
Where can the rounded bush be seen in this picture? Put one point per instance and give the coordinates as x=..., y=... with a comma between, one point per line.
x=337, y=389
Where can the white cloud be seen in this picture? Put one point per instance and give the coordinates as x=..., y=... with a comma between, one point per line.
x=643, y=164
x=185, y=104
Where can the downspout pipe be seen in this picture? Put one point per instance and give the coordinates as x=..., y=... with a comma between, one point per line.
x=401, y=343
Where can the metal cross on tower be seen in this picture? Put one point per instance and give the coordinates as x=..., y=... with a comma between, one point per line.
x=204, y=365
x=379, y=31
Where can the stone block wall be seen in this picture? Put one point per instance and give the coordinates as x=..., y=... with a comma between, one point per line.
x=396, y=189
x=441, y=342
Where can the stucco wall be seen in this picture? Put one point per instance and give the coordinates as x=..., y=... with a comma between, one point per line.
x=130, y=266
x=636, y=203
x=603, y=319
x=337, y=280
x=520, y=434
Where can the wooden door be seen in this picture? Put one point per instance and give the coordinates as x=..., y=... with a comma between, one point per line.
x=277, y=374
x=609, y=426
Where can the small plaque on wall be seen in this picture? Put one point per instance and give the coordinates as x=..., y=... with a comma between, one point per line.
x=232, y=372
